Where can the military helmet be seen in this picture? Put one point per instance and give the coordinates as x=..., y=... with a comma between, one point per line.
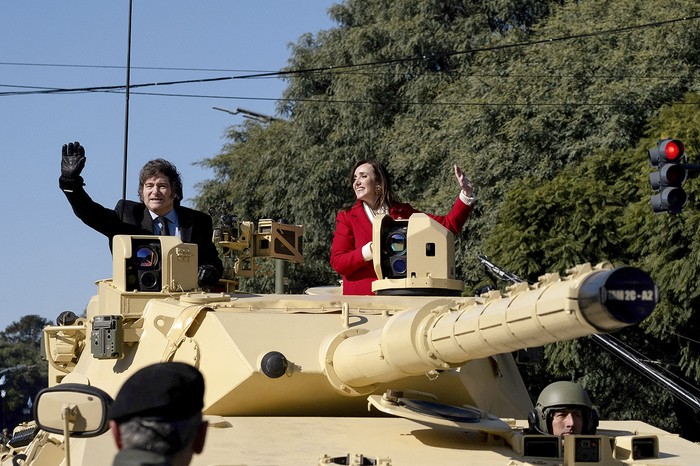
x=558, y=395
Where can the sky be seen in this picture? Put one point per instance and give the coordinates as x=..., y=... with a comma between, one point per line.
x=51, y=260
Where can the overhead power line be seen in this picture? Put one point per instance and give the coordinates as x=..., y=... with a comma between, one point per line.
x=365, y=65
x=326, y=101
x=121, y=67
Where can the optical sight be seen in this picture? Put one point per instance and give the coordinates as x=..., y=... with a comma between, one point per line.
x=414, y=257
x=154, y=263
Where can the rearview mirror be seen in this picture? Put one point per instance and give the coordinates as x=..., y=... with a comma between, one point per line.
x=76, y=409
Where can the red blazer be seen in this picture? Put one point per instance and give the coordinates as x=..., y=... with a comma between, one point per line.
x=353, y=230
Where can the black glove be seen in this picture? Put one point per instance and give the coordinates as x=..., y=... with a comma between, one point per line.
x=208, y=276
x=73, y=160
x=72, y=163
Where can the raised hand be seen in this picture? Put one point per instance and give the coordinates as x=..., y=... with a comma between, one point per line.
x=72, y=160
x=464, y=182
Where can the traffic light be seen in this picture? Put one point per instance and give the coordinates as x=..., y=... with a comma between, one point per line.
x=668, y=157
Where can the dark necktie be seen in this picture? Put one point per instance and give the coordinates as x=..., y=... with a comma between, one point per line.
x=164, y=231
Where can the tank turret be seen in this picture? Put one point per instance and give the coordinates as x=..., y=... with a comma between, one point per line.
x=289, y=378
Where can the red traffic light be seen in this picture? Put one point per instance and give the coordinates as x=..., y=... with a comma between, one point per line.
x=673, y=149
x=667, y=151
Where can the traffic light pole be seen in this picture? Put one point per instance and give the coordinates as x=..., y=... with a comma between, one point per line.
x=690, y=166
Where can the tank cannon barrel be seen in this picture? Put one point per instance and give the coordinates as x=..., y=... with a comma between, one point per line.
x=447, y=333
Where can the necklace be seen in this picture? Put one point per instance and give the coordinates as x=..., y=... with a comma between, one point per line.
x=381, y=210
x=371, y=213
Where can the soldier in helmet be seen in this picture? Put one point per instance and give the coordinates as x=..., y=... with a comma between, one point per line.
x=564, y=408
x=5, y=438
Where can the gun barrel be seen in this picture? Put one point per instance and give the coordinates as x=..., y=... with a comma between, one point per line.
x=450, y=332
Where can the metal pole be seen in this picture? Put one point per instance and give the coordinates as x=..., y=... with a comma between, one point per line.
x=613, y=345
x=126, y=109
x=280, y=278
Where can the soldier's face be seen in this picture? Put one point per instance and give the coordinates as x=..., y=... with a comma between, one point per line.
x=567, y=422
x=158, y=194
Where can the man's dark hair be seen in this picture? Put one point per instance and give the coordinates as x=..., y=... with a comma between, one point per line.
x=157, y=166
x=163, y=437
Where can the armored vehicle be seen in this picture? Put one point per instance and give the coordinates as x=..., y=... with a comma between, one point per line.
x=416, y=375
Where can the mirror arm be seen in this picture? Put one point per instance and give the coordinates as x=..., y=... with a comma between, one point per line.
x=66, y=415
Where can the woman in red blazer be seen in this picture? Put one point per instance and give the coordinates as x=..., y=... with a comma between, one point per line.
x=351, y=252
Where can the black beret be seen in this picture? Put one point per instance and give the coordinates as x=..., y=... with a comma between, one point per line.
x=168, y=391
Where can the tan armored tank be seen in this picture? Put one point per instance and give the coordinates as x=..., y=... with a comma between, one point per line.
x=417, y=375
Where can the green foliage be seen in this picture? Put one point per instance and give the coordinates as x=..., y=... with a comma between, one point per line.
x=24, y=371
x=561, y=222
x=550, y=107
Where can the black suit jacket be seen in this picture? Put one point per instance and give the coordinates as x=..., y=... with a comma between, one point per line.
x=133, y=218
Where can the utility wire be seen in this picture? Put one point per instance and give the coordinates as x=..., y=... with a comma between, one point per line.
x=333, y=69
x=121, y=67
x=376, y=102
x=555, y=74
x=384, y=62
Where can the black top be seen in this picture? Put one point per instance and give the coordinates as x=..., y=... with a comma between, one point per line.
x=134, y=457
x=133, y=218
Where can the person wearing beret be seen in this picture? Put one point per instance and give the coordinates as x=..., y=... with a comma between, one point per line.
x=156, y=418
x=159, y=212
x=351, y=250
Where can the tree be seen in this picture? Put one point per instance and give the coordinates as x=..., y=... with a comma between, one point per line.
x=23, y=373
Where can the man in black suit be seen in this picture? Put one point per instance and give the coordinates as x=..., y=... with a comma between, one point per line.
x=159, y=212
